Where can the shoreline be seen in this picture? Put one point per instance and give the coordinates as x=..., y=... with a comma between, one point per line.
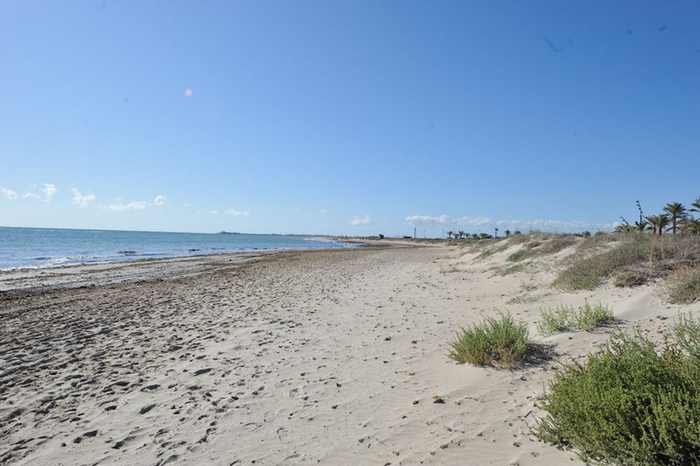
x=111, y=272
x=317, y=356
x=40, y=249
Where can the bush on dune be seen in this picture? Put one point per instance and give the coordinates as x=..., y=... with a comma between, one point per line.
x=565, y=318
x=630, y=405
x=632, y=259
x=588, y=272
x=497, y=342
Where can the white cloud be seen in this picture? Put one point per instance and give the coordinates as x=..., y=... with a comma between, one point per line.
x=236, y=213
x=133, y=205
x=48, y=191
x=8, y=193
x=215, y=213
x=119, y=206
x=360, y=221
x=82, y=201
x=446, y=221
x=428, y=221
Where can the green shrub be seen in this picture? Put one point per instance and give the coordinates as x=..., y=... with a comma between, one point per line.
x=565, y=318
x=628, y=405
x=686, y=331
x=495, y=342
x=520, y=255
x=554, y=321
x=589, y=317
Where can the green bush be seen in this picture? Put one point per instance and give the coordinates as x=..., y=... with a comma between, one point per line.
x=589, y=317
x=565, y=318
x=686, y=332
x=495, y=342
x=554, y=321
x=520, y=255
x=630, y=405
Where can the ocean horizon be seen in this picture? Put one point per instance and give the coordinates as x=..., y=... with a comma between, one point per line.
x=39, y=248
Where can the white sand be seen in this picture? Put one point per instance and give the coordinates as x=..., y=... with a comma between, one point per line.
x=324, y=357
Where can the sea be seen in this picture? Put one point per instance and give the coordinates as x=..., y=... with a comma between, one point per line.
x=40, y=248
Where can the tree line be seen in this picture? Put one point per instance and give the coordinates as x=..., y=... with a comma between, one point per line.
x=675, y=218
x=464, y=235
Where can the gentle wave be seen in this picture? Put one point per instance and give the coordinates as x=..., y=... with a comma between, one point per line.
x=40, y=248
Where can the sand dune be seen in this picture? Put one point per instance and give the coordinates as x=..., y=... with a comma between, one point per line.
x=326, y=357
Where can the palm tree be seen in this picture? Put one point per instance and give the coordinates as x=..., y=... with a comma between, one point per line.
x=461, y=234
x=653, y=223
x=677, y=212
x=696, y=205
x=658, y=222
x=640, y=226
x=690, y=225
x=664, y=220
x=507, y=232
x=450, y=233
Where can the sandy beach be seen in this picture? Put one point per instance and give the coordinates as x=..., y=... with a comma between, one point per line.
x=327, y=357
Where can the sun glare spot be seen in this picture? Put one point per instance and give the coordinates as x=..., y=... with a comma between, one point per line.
x=188, y=92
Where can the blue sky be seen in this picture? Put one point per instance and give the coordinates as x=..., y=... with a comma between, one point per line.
x=348, y=117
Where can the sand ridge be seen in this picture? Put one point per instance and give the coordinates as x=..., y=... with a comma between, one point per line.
x=325, y=357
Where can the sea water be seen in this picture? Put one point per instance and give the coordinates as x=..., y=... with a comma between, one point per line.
x=50, y=247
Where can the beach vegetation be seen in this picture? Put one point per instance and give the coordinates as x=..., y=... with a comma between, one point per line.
x=684, y=285
x=676, y=212
x=498, y=342
x=512, y=269
x=491, y=251
x=517, y=256
x=630, y=277
x=540, y=244
x=631, y=404
x=525, y=298
x=565, y=318
x=633, y=259
x=589, y=270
